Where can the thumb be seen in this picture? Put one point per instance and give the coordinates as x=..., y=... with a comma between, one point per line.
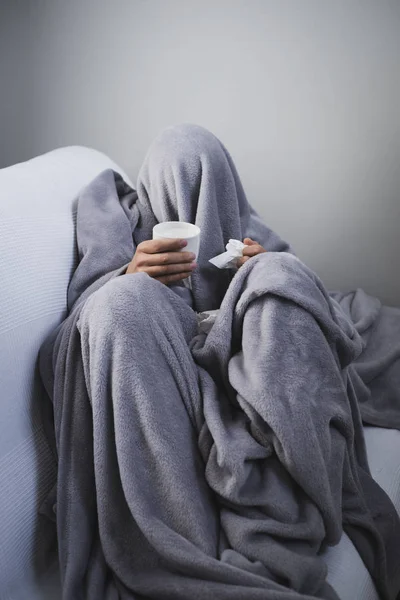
x=249, y=242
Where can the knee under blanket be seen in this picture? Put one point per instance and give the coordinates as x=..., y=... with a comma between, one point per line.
x=199, y=467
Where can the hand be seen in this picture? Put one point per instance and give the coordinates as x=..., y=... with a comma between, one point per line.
x=163, y=260
x=252, y=249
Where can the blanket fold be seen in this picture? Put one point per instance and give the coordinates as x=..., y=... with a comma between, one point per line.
x=213, y=466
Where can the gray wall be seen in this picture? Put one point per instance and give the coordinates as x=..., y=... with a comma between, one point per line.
x=16, y=61
x=304, y=93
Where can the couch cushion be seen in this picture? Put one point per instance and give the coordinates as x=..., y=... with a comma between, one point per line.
x=37, y=257
x=346, y=571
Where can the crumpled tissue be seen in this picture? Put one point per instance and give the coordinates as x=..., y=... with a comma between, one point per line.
x=206, y=319
x=227, y=260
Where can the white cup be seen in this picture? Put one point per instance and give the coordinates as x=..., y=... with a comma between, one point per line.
x=182, y=230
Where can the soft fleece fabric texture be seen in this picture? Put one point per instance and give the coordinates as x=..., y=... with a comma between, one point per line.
x=195, y=466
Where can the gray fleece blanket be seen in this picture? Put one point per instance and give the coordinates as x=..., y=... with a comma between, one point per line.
x=217, y=466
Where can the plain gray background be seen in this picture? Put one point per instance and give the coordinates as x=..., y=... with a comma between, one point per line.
x=304, y=93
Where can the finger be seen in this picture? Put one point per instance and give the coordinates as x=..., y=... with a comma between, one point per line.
x=253, y=250
x=173, y=278
x=249, y=242
x=164, y=245
x=165, y=270
x=242, y=260
x=165, y=258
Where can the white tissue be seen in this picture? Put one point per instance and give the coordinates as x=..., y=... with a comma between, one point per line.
x=227, y=260
x=206, y=319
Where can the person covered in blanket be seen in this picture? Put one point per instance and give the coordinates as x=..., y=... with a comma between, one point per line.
x=219, y=463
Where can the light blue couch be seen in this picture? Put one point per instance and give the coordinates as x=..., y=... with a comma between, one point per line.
x=37, y=257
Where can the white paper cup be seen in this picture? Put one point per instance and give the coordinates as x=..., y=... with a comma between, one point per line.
x=182, y=230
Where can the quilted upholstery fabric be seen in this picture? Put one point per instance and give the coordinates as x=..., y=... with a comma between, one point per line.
x=37, y=257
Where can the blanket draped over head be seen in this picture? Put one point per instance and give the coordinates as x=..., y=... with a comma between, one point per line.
x=212, y=467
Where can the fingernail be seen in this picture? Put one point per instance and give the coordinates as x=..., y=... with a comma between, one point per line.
x=183, y=243
x=192, y=256
x=193, y=265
